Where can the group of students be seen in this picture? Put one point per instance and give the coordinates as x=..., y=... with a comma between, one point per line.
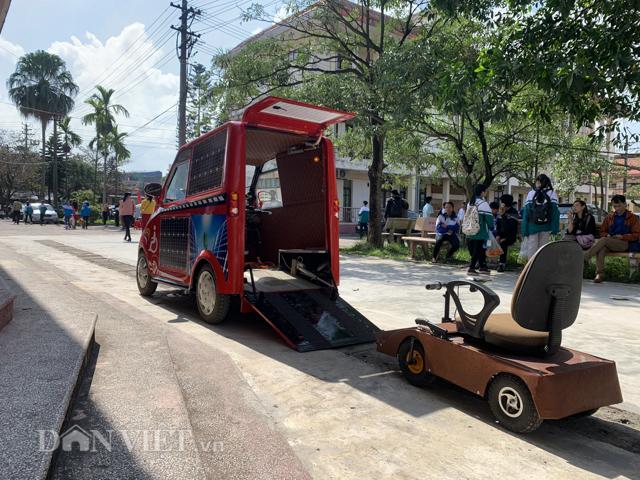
x=619, y=232
x=72, y=214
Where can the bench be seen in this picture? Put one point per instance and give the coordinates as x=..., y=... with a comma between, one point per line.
x=395, y=228
x=634, y=260
x=426, y=226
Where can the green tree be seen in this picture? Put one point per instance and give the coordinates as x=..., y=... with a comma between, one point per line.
x=331, y=53
x=582, y=53
x=120, y=151
x=200, y=118
x=43, y=88
x=103, y=117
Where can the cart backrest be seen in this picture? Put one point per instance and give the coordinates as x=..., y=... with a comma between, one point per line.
x=557, y=264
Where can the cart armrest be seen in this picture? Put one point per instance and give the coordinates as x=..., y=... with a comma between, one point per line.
x=471, y=324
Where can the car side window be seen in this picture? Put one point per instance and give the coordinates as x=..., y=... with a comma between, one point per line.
x=177, y=189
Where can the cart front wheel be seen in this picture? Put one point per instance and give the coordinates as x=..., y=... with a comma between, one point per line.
x=512, y=405
x=413, y=363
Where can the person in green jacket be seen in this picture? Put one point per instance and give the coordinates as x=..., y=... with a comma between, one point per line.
x=477, y=242
x=540, y=216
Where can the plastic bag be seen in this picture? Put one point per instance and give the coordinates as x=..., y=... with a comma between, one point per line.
x=524, y=248
x=493, y=247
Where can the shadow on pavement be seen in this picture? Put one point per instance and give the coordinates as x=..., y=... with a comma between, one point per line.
x=377, y=375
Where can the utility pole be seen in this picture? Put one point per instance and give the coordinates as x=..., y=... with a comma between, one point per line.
x=187, y=40
x=54, y=175
x=626, y=163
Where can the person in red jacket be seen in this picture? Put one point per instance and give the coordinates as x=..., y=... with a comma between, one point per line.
x=619, y=232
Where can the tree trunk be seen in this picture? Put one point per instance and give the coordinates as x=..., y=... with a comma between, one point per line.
x=375, y=190
x=54, y=173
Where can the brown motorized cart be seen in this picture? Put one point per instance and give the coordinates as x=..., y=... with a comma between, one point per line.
x=515, y=360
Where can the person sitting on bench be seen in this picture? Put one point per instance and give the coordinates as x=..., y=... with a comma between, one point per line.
x=447, y=227
x=619, y=232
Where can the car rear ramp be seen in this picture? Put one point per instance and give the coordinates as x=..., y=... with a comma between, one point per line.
x=305, y=315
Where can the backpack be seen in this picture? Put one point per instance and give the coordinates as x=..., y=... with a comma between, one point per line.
x=541, y=208
x=471, y=221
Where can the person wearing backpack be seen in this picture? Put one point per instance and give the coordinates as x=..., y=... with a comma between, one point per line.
x=477, y=223
x=396, y=206
x=541, y=216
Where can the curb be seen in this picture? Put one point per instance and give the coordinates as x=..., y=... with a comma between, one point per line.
x=49, y=461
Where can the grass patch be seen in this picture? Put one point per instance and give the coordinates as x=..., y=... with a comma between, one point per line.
x=616, y=269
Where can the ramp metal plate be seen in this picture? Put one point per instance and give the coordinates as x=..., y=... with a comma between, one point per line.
x=310, y=320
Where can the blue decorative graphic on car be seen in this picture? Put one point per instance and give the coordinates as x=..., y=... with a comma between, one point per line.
x=209, y=232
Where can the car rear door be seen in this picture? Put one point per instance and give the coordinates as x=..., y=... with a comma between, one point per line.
x=292, y=116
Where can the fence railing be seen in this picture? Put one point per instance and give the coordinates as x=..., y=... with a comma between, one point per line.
x=349, y=214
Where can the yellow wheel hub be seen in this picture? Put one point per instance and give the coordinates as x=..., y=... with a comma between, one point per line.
x=415, y=364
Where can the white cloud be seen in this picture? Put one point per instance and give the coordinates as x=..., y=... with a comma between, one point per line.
x=9, y=50
x=124, y=62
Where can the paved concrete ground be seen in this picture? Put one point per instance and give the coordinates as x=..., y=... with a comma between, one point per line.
x=346, y=413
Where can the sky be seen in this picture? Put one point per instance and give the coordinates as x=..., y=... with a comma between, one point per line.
x=124, y=45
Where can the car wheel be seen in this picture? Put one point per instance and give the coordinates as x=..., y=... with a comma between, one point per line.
x=212, y=306
x=146, y=286
x=512, y=405
x=413, y=363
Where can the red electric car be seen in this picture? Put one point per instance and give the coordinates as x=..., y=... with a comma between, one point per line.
x=250, y=211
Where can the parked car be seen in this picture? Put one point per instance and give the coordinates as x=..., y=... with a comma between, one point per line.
x=49, y=217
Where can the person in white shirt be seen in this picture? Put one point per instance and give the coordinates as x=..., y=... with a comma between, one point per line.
x=363, y=219
x=427, y=210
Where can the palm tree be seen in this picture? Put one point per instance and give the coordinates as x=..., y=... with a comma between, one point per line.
x=119, y=149
x=103, y=117
x=43, y=88
x=69, y=139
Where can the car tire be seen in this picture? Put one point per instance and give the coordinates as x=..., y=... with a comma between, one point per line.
x=146, y=286
x=414, y=365
x=512, y=405
x=213, y=307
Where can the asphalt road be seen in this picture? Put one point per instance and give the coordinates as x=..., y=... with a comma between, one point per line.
x=327, y=414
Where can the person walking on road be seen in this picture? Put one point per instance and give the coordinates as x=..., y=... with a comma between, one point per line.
x=478, y=219
x=28, y=213
x=43, y=212
x=67, y=212
x=15, y=212
x=363, y=219
x=85, y=212
x=105, y=214
x=147, y=207
x=541, y=216
x=127, y=209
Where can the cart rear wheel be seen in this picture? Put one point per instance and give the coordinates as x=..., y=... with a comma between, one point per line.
x=212, y=306
x=146, y=286
x=413, y=363
x=512, y=405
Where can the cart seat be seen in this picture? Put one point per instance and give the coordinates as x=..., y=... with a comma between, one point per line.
x=545, y=300
x=502, y=331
